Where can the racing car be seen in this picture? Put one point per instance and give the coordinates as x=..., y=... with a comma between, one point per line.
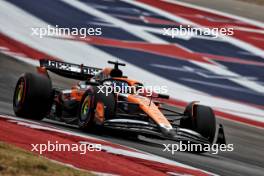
x=87, y=105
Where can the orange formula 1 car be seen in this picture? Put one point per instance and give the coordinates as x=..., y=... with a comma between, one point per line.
x=90, y=104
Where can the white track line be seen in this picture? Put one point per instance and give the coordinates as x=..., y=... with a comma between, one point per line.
x=135, y=153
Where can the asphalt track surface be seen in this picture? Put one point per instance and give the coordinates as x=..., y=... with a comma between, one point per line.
x=246, y=159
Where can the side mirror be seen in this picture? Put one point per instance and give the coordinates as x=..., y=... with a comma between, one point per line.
x=163, y=96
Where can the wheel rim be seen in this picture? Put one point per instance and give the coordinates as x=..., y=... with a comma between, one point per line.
x=19, y=96
x=85, y=108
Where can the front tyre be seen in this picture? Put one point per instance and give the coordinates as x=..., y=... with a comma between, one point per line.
x=200, y=119
x=33, y=96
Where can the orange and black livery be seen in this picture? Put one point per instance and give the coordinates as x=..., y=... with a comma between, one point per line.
x=89, y=104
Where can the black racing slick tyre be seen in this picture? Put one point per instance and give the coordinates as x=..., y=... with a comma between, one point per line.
x=201, y=120
x=33, y=96
x=88, y=108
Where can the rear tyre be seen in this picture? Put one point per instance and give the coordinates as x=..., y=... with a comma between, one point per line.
x=202, y=121
x=89, y=105
x=33, y=96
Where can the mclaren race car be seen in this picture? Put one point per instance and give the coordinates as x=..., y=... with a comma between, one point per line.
x=88, y=105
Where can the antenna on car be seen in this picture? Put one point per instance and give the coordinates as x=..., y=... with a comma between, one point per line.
x=150, y=100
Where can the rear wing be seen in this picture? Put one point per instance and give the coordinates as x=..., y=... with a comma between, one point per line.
x=69, y=70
